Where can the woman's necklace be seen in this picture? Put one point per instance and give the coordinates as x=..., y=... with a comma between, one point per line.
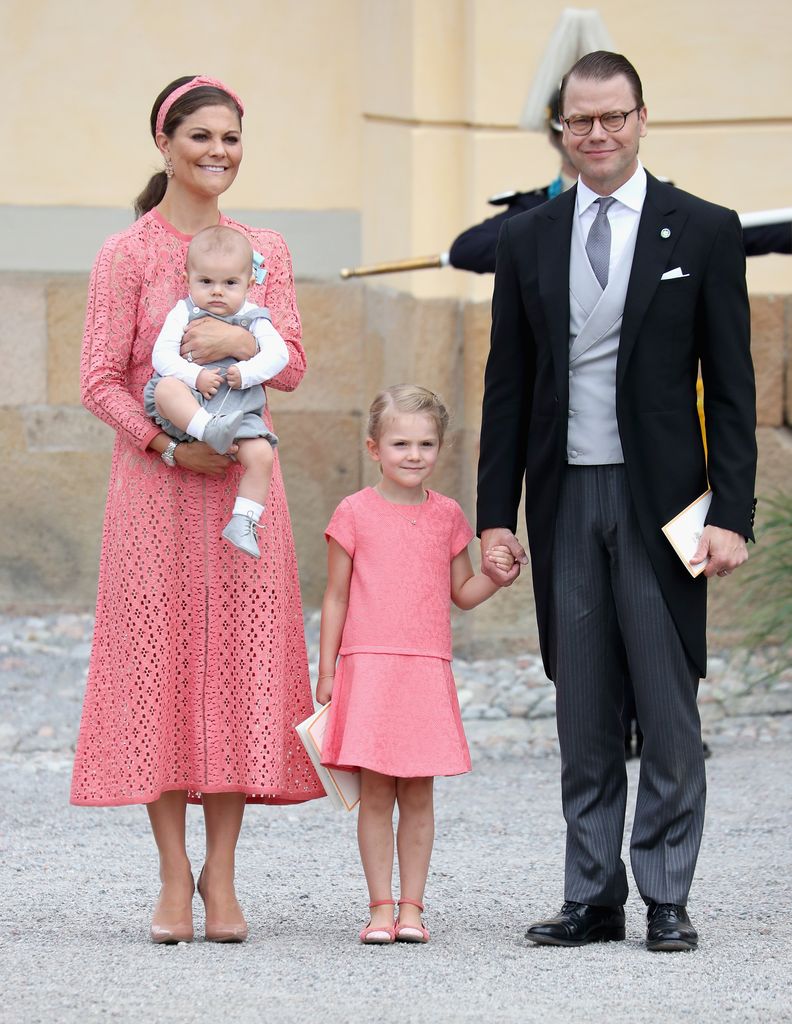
x=412, y=521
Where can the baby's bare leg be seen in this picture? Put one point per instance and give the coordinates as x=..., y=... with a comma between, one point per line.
x=256, y=456
x=175, y=402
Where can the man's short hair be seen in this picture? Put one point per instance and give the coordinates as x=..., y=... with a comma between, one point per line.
x=600, y=66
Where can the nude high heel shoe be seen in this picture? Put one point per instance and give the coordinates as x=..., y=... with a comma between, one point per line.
x=218, y=931
x=168, y=933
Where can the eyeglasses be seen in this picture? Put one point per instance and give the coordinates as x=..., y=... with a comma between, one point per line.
x=613, y=121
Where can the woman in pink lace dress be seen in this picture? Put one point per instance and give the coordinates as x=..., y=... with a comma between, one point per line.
x=198, y=671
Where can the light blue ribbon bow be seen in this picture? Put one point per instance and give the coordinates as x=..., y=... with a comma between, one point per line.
x=258, y=267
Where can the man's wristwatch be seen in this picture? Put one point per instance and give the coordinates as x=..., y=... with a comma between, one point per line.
x=168, y=456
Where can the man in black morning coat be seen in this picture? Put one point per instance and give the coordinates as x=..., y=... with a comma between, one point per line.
x=606, y=300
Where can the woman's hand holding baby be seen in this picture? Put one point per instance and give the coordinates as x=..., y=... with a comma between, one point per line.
x=208, y=382
x=207, y=340
x=200, y=458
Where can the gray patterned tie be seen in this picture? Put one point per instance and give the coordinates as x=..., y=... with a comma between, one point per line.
x=598, y=243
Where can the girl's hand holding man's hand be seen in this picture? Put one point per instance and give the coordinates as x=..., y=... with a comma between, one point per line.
x=495, y=539
x=501, y=557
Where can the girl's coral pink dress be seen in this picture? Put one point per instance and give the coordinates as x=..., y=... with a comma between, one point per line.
x=198, y=671
x=395, y=707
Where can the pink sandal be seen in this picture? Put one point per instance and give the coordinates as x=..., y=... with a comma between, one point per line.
x=379, y=936
x=408, y=932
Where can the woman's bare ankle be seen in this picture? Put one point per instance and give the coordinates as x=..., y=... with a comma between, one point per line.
x=176, y=872
x=219, y=872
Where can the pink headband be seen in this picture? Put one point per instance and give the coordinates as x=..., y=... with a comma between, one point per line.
x=196, y=83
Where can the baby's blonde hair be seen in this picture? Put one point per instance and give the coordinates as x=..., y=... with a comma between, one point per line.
x=410, y=399
x=221, y=239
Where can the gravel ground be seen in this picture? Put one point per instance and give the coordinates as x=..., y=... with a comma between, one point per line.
x=79, y=885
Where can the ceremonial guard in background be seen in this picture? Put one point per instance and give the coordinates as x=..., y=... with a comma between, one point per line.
x=475, y=248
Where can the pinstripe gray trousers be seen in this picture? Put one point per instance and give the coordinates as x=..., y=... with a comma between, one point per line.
x=608, y=614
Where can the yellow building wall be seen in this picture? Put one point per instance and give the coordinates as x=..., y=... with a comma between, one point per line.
x=717, y=82
x=402, y=112
x=375, y=129
x=87, y=73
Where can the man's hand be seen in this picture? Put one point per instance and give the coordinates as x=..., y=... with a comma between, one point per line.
x=234, y=376
x=501, y=537
x=208, y=382
x=726, y=551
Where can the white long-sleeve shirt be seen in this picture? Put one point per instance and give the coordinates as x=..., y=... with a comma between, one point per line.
x=166, y=359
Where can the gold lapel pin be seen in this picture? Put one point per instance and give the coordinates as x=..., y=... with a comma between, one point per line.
x=665, y=232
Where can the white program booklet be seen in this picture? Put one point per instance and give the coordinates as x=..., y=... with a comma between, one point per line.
x=342, y=787
x=685, y=529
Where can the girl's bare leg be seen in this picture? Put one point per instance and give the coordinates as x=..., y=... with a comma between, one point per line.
x=414, y=838
x=223, y=813
x=256, y=456
x=175, y=401
x=375, y=839
x=174, y=906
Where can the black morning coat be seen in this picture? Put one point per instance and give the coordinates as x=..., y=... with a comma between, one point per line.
x=668, y=328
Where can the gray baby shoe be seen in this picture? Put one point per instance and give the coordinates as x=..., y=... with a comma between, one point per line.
x=220, y=431
x=241, y=532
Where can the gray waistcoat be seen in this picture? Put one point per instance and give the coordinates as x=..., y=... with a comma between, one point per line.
x=595, y=318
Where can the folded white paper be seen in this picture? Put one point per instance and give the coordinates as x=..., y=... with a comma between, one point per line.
x=671, y=275
x=685, y=529
x=342, y=787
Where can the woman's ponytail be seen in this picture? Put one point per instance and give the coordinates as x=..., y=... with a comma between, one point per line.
x=152, y=194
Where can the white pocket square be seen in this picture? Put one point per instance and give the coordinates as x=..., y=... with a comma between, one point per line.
x=670, y=275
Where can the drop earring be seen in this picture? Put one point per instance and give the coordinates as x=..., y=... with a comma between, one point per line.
x=168, y=168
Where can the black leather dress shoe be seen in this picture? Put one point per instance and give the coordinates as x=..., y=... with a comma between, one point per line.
x=669, y=929
x=579, y=924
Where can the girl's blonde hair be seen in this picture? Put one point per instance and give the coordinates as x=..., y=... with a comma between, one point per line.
x=406, y=398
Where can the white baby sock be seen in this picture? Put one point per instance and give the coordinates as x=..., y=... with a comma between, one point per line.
x=197, y=425
x=242, y=506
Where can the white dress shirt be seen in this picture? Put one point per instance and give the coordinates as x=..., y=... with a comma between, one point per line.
x=622, y=215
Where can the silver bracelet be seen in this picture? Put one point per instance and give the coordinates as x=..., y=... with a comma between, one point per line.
x=168, y=456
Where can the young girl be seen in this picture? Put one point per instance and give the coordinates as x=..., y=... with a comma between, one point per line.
x=223, y=402
x=397, y=556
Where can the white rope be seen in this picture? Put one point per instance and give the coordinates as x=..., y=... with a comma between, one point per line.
x=761, y=217
x=577, y=32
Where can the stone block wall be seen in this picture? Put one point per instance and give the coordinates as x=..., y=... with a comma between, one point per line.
x=358, y=339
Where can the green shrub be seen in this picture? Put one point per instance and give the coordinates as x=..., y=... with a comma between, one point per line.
x=767, y=585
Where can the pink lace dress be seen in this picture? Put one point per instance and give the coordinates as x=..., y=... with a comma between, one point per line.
x=198, y=670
